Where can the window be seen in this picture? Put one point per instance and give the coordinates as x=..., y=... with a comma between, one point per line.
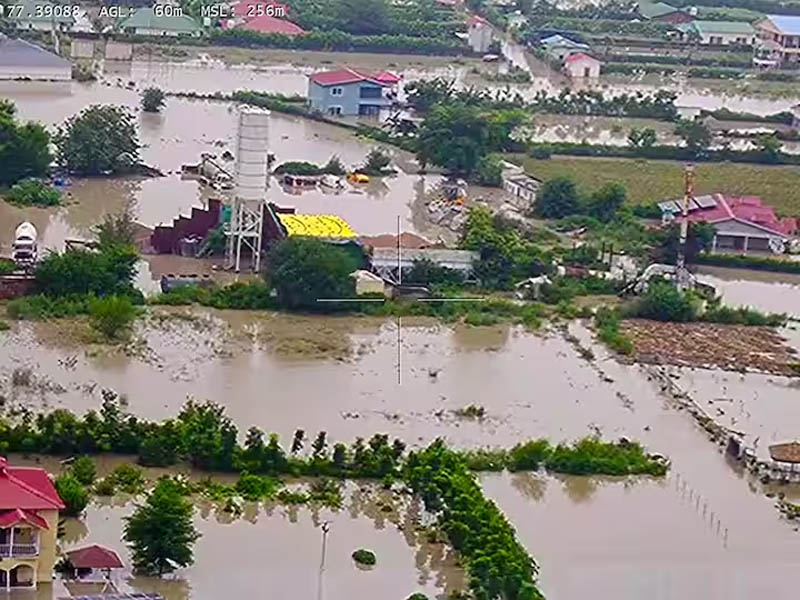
x=370, y=92
x=337, y=91
x=335, y=110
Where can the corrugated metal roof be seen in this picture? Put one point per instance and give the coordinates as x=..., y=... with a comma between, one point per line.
x=21, y=53
x=387, y=257
x=321, y=226
x=651, y=10
x=146, y=18
x=724, y=27
x=787, y=24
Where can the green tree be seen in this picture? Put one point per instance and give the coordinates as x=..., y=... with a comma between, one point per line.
x=24, y=149
x=112, y=316
x=454, y=137
x=376, y=162
x=642, y=138
x=695, y=135
x=83, y=469
x=604, y=202
x=557, y=198
x=699, y=238
x=665, y=302
x=303, y=270
x=160, y=532
x=83, y=272
x=100, y=140
x=72, y=492
x=770, y=146
x=490, y=172
x=364, y=17
x=152, y=99
x=116, y=229
x=32, y=192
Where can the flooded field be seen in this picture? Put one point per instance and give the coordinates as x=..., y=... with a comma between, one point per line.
x=764, y=290
x=280, y=549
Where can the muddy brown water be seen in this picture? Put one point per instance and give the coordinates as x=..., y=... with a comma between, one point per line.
x=280, y=549
x=763, y=290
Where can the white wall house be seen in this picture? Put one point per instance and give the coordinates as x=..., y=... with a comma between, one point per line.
x=581, y=65
x=20, y=59
x=480, y=34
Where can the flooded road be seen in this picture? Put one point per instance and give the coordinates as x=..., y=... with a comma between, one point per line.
x=278, y=548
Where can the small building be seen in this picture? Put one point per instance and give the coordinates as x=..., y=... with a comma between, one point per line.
x=20, y=59
x=40, y=15
x=90, y=558
x=785, y=460
x=369, y=283
x=386, y=262
x=718, y=33
x=779, y=39
x=742, y=224
x=151, y=22
x=346, y=92
x=558, y=47
x=521, y=186
x=663, y=12
x=29, y=506
x=581, y=65
x=479, y=34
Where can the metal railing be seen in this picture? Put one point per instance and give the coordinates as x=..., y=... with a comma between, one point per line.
x=7, y=550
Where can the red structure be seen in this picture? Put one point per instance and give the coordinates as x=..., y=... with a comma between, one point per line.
x=166, y=238
x=16, y=285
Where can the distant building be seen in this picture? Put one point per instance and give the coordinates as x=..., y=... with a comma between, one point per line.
x=40, y=15
x=521, y=186
x=558, y=47
x=742, y=224
x=663, y=12
x=780, y=39
x=719, y=33
x=20, y=59
x=347, y=92
x=268, y=24
x=29, y=506
x=145, y=21
x=581, y=65
x=386, y=261
x=479, y=34
x=369, y=283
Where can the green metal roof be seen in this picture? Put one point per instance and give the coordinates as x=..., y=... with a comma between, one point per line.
x=145, y=18
x=652, y=10
x=714, y=27
x=36, y=10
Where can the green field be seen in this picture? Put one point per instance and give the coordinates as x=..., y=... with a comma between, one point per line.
x=657, y=180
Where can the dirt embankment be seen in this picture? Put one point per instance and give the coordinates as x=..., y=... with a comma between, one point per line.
x=711, y=345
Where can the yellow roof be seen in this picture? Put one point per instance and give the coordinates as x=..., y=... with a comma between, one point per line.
x=327, y=226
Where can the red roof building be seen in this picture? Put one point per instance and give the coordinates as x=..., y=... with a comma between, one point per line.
x=94, y=557
x=268, y=24
x=26, y=489
x=388, y=77
x=342, y=77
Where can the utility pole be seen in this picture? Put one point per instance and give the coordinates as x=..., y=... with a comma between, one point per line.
x=688, y=193
x=326, y=527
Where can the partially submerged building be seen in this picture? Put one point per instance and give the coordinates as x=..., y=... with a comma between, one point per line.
x=780, y=40
x=558, y=47
x=743, y=224
x=29, y=507
x=20, y=59
x=347, y=92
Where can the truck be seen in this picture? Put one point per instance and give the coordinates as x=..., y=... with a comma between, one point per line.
x=24, y=250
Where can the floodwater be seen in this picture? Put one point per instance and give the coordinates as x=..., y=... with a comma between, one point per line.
x=763, y=290
x=280, y=549
x=177, y=136
x=530, y=386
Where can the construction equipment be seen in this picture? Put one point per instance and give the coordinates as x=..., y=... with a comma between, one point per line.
x=24, y=250
x=683, y=278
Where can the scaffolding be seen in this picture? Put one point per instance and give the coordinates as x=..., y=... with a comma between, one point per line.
x=252, y=173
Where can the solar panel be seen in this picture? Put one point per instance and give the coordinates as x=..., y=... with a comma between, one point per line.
x=670, y=206
x=706, y=201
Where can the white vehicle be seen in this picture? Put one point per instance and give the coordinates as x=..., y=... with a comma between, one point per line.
x=24, y=249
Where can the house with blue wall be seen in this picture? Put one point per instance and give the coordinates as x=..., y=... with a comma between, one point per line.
x=347, y=92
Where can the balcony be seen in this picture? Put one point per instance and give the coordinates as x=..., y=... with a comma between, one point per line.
x=19, y=550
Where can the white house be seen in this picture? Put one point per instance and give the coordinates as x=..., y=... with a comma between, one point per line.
x=780, y=39
x=581, y=65
x=719, y=33
x=20, y=59
x=480, y=34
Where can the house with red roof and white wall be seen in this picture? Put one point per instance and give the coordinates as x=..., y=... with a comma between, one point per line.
x=29, y=506
x=347, y=92
x=580, y=65
x=743, y=224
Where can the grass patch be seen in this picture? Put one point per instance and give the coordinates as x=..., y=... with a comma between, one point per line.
x=607, y=322
x=648, y=181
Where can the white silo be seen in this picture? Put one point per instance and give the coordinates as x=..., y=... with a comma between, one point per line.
x=252, y=173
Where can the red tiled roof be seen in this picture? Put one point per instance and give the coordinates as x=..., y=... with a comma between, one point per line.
x=267, y=24
x=579, y=56
x=254, y=8
x=26, y=488
x=746, y=208
x=475, y=19
x=341, y=77
x=17, y=515
x=387, y=77
x=94, y=557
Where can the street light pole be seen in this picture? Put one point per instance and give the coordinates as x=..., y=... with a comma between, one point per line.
x=326, y=527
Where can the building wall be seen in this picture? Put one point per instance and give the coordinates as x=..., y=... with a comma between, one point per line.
x=578, y=68
x=37, y=73
x=118, y=50
x=480, y=37
x=727, y=39
x=47, y=546
x=321, y=98
x=82, y=48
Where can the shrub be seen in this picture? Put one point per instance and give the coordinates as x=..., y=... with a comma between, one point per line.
x=72, y=492
x=489, y=172
x=105, y=487
x=102, y=273
x=557, y=198
x=4, y=326
x=364, y=557
x=7, y=266
x=83, y=469
x=127, y=478
x=607, y=323
x=528, y=456
x=376, y=163
x=152, y=99
x=40, y=307
x=417, y=596
x=112, y=316
x=665, y=302
x=33, y=192
x=256, y=487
